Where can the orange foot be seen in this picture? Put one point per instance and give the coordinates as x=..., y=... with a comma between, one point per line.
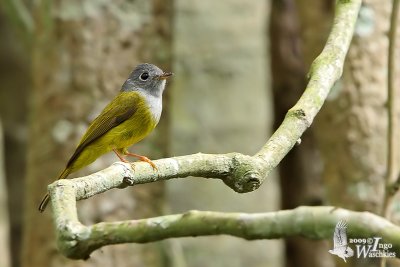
x=141, y=158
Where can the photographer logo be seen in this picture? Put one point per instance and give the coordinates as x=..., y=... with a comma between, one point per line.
x=372, y=247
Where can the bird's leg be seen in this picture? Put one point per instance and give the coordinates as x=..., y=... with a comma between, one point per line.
x=143, y=158
x=125, y=152
x=120, y=156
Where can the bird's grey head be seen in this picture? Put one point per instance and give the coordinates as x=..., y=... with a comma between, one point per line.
x=146, y=78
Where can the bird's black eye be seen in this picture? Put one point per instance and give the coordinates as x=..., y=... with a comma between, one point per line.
x=144, y=76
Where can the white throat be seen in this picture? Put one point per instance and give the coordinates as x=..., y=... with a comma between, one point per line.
x=155, y=104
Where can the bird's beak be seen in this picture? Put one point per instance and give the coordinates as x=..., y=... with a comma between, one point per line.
x=165, y=75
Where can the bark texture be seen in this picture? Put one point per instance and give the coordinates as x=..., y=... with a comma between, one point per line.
x=82, y=53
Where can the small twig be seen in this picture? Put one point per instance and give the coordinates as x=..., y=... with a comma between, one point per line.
x=392, y=172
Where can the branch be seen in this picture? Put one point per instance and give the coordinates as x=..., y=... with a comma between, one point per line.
x=326, y=69
x=240, y=172
x=77, y=241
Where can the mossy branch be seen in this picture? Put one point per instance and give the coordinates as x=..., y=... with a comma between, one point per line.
x=240, y=172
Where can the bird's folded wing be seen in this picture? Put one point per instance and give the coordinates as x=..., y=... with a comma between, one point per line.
x=117, y=111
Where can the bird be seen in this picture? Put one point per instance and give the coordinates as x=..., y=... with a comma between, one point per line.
x=340, y=246
x=127, y=119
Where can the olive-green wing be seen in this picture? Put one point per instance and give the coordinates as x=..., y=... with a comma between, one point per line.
x=119, y=110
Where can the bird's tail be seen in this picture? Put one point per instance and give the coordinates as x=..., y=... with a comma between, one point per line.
x=46, y=198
